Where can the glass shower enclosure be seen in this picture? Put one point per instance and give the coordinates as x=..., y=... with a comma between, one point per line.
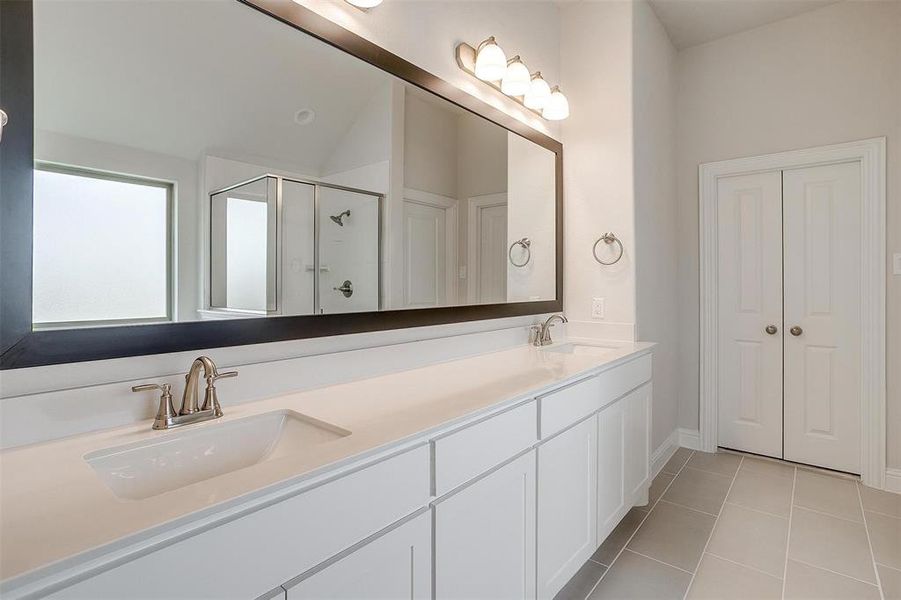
x=286, y=246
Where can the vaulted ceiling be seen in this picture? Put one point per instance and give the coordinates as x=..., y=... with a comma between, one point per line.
x=693, y=22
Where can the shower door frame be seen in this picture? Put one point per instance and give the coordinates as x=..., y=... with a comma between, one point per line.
x=279, y=237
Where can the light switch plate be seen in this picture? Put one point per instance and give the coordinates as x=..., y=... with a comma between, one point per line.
x=896, y=263
x=598, y=308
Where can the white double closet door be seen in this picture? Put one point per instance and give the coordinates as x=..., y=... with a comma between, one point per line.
x=788, y=370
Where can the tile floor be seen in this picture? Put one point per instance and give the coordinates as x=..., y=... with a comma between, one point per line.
x=727, y=526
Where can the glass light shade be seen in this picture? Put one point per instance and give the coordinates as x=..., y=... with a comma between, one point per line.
x=364, y=3
x=517, y=80
x=557, y=107
x=491, y=62
x=539, y=93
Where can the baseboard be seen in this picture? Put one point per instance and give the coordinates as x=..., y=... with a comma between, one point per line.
x=664, y=452
x=893, y=480
x=689, y=438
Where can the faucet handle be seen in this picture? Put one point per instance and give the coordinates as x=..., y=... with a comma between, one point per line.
x=210, y=397
x=166, y=411
x=146, y=387
x=225, y=375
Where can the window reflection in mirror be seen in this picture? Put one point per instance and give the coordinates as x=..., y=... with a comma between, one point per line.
x=101, y=248
x=293, y=178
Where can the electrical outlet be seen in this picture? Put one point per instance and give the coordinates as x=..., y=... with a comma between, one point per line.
x=597, y=308
x=896, y=263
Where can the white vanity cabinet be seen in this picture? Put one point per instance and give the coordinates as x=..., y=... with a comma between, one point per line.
x=251, y=554
x=611, y=468
x=508, y=504
x=485, y=536
x=397, y=564
x=637, y=406
x=623, y=457
x=567, y=505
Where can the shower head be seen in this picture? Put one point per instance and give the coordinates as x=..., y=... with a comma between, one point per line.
x=339, y=218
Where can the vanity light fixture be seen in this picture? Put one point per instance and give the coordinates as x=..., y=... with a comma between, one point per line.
x=539, y=92
x=517, y=80
x=489, y=63
x=557, y=107
x=364, y=4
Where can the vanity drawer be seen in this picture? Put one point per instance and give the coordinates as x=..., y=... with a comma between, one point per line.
x=260, y=551
x=562, y=408
x=464, y=454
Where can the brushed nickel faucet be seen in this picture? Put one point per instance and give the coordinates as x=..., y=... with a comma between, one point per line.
x=540, y=335
x=190, y=412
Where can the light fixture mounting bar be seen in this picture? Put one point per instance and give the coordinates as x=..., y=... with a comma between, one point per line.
x=466, y=60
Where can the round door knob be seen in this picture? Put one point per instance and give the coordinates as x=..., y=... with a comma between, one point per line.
x=796, y=331
x=771, y=329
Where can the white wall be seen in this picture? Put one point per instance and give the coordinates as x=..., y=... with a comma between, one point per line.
x=360, y=157
x=656, y=245
x=823, y=77
x=430, y=146
x=596, y=59
x=531, y=213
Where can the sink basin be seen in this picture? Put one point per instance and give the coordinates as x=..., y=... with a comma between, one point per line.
x=145, y=469
x=583, y=349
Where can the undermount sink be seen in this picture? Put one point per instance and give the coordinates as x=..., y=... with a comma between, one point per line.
x=145, y=469
x=583, y=349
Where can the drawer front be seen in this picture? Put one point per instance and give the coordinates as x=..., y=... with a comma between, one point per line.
x=564, y=407
x=465, y=454
x=396, y=565
x=260, y=551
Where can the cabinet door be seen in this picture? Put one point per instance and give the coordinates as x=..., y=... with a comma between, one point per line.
x=394, y=566
x=485, y=536
x=567, y=505
x=611, y=458
x=638, y=423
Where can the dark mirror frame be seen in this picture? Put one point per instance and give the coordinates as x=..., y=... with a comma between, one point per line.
x=22, y=347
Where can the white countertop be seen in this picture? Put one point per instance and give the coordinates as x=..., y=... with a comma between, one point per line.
x=53, y=506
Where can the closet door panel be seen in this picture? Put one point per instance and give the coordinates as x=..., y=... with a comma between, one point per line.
x=822, y=281
x=749, y=367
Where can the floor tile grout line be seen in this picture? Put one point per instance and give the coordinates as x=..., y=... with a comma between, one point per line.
x=788, y=534
x=757, y=510
x=645, y=518
x=712, y=529
x=658, y=561
x=888, y=566
x=866, y=528
x=826, y=514
x=845, y=575
x=740, y=564
x=597, y=562
x=710, y=472
x=882, y=514
x=697, y=510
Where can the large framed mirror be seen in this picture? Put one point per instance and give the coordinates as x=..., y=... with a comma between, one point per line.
x=184, y=175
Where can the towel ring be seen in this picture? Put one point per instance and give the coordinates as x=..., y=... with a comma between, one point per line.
x=608, y=238
x=525, y=243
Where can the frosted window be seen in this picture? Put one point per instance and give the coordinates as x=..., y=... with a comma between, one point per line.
x=100, y=249
x=245, y=253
